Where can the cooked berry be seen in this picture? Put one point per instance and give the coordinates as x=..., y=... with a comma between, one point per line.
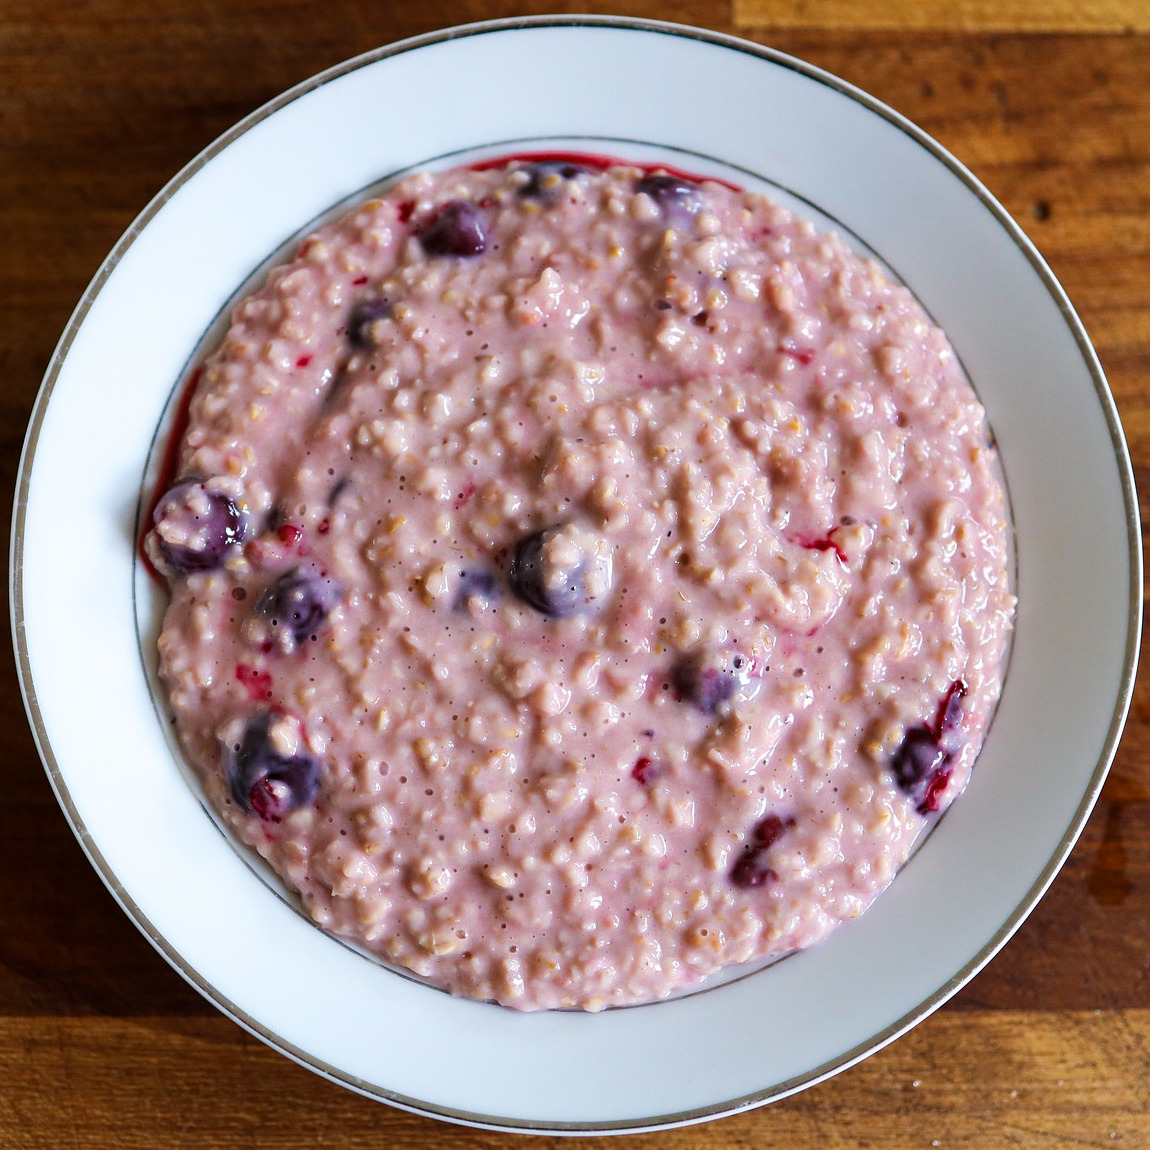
x=677, y=199
x=295, y=605
x=934, y=790
x=561, y=570
x=364, y=316
x=646, y=770
x=194, y=525
x=456, y=229
x=709, y=679
x=949, y=722
x=917, y=758
x=922, y=763
x=478, y=586
x=257, y=683
x=265, y=778
x=705, y=687
x=546, y=178
x=751, y=868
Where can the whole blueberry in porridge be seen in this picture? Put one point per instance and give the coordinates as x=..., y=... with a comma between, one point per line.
x=292, y=608
x=546, y=180
x=583, y=578
x=561, y=570
x=268, y=770
x=195, y=524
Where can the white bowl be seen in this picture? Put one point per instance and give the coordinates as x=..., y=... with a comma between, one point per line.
x=84, y=612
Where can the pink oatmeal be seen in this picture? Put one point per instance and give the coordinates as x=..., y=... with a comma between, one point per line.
x=582, y=579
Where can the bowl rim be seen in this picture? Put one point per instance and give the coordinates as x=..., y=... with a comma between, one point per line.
x=1004, y=220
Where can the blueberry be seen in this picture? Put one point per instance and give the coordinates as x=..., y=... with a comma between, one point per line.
x=268, y=780
x=295, y=605
x=364, y=316
x=922, y=763
x=751, y=869
x=677, y=199
x=194, y=525
x=546, y=178
x=561, y=570
x=709, y=679
x=476, y=585
x=456, y=229
x=918, y=757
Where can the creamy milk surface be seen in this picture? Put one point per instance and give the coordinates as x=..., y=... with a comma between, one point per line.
x=583, y=578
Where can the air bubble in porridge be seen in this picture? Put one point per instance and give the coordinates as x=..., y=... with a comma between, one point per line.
x=583, y=578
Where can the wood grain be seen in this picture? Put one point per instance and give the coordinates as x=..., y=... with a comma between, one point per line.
x=1081, y=16
x=998, y=1080
x=101, y=1044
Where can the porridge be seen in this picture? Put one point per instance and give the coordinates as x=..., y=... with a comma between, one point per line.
x=583, y=578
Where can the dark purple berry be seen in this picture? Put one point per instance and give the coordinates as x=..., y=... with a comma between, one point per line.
x=364, y=316
x=476, y=585
x=296, y=604
x=264, y=779
x=546, y=178
x=526, y=574
x=677, y=199
x=922, y=763
x=751, y=869
x=708, y=680
x=918, y=757
x=560, y=570
x=456, y=229
x=194, y=525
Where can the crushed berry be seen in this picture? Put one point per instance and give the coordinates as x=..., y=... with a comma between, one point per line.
x=751, y=869
x=465, y=494
x=825, y=542
x=801, y=355
x=922, y=764
x=258, y=683
x=364, y=316
x=936, y=788
x=480, y=585
x=709, y=680
x=646, y=770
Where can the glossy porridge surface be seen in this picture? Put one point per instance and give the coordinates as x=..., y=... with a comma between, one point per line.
x=582, y=579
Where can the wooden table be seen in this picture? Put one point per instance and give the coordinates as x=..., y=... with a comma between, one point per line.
x=101, y=1044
